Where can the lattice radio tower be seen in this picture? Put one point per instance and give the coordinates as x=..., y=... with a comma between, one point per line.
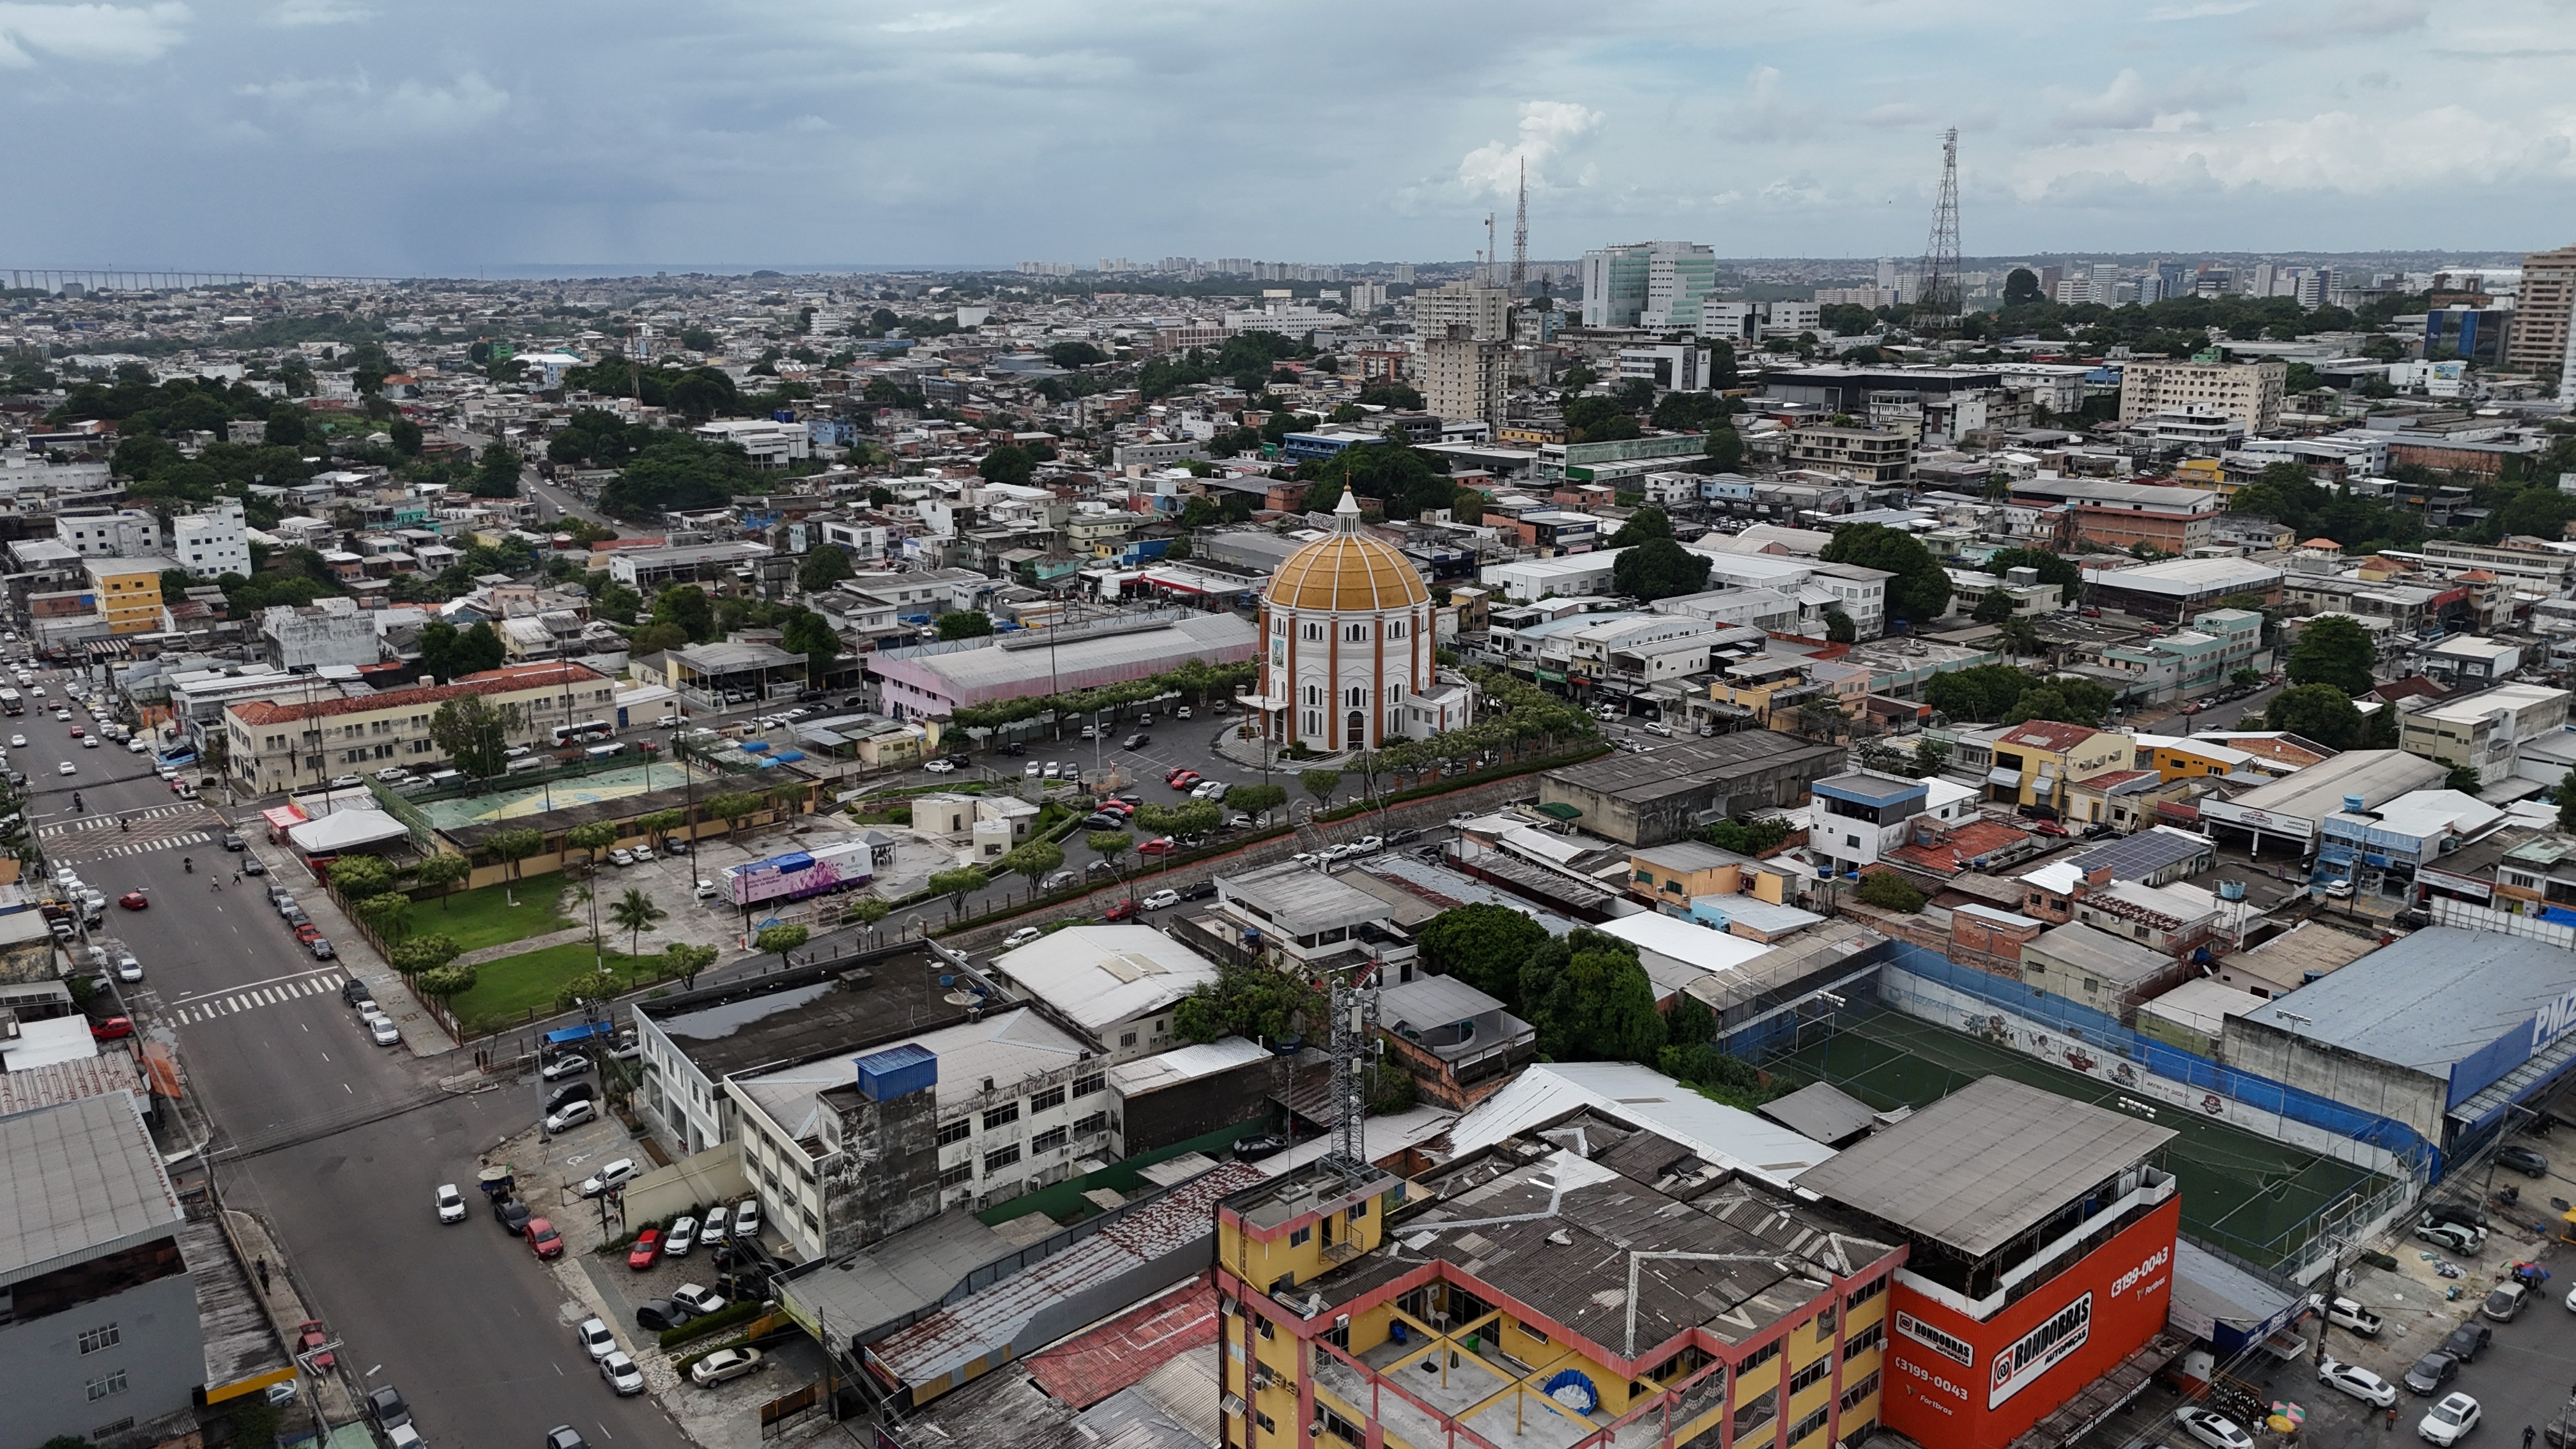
x=1520, y=236
x=1354, y=1011
x=1938, y=294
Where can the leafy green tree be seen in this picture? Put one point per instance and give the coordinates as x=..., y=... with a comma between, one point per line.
x=965, y=624
x=1249, y=1001
x=388, y=915
x=1643, y=524
x=781, y=939
x=1889, y=891
x=2465, y=779
x=1839, y=628
x=1481, y=945
x=1659, y=569
x=808, y=633
x=1689, y=1022
x=415, y=954
x=442, y=873
x=443, y=982
x=688, y=607
x=1919, y=593
x=1590, y=1000
x=474, y=733
x=1981, y=693
x=597, y=986
x=1034, y=861
x=1994, y=608
x=356, y=877
x=1075, y=354
x=1749, y=837
x=635, y=913
x=2380, y=728
x=826, y=565
x=2334, y=651
x=2052, y=568
x=1401, y=480
x=685, y=961
x=1007, y=464
x=2567, y=801
x=2066, y=699
x=510, y=847
x=657, y=638
x=956, y=885
x=734, y=808
x=2317, y=712
x=1320, y=783
x=1256, y=800
x=2021, y=285
x=496, y=473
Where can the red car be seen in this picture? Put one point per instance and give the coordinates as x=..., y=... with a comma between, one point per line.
x=112, y=1029
x=1159, y=845
x=1122, y=911
x=1183, y=779
x=543, y=1238
x=648, y=1246
x=133, y=901
x=310, y=1335
x=76, y=731
x=308, y=933
x=2049, y=827
x=1116, y=806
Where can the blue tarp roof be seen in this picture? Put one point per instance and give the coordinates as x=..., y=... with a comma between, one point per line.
x=755, y=746
x=578, y=1033
x=788, y=757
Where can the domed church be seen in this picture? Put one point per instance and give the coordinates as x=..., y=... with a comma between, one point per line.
x=1347, y=639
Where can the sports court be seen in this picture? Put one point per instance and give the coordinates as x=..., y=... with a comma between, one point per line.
x=504, y=803
x=2250, y=1195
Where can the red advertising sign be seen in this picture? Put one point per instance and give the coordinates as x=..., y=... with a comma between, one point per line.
x=1954, y=1380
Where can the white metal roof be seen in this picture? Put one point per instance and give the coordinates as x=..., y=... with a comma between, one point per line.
x=1724, y=1136
x=1102, y=975
x=1692, y=945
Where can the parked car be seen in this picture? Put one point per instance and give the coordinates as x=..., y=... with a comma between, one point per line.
x=746, y=1219
x=613, y=1175
x=2359, y=1382
x=1136, y=741
x=622, y=1374
x=357, y=993
x=570, y=1064
x=234, y=842
x=654, y=1315
x=381, y=1029
x=2431, y=1372
x=621, y=857
x=451, y=1203
x=572, y=1115
x=1159, y=845
x=1119, y=911
x=723, y=1364
x=2345, y=1314
x=250, y=865
x=596, y=1339
x=648, y=1247
x=2447, y=1421
x=1021, y=937
x=113, y=1029
x=385, y=1405
x=2338, y=890
x=128, y=969
x=939, y=767
x=2522, y=1159
x=310, y=1335
x=321, y=948
x=543, y=1240
x=2468, y=1340
x=695, y=1301
x=2452, y=1236
x=513, y=1216
x=2212, y=1428
x=681, y=1238
x=1162, y=900
x=568, y=1093
x=2505, y=1302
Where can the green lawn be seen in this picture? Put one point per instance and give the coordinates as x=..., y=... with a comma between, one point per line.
x=506, y=989
x=485, y=917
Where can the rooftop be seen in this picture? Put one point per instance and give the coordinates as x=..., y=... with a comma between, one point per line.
x=2318, y=791
x=2183, y=577
x=2042, y=734
x=1101, y=975
x=1986, y=1163
x=1862, y=787
x=496, y=681
x=812, y=1011
x=2427, y=1002
x=1300, y=899
x=83, y=1179
x=1728, y=1137
x=1687, y=765
x=1007, y=1047
x=2135, y=857
x=2117, y=961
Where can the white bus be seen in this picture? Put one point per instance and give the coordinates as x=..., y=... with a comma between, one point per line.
x=597, y=729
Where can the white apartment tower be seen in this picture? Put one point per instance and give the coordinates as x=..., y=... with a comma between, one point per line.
x=211, y=542
x=1465, y=376
x=1485, y=311
x=1658, y=284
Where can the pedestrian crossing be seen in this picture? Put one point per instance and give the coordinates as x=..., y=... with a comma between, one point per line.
x=98, y=837
x=108, y=821
x=213, y=1004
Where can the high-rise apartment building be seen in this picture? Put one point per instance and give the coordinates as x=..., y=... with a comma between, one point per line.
x=1623, y=285
x=1464, y=376
x=2541, y=332
x=2249, y=392
x=1485, y=311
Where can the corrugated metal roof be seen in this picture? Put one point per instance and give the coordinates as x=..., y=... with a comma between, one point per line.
x=1722, y=1135
x=1101, y=975
x=2428, y=1001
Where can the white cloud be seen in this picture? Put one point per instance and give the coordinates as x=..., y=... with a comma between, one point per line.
x=1767, y=112
x=1896, y=113
x=467, y=103
x=296, y=14
x=929, y=22
x=115, y=34
x=2132, y=103
x=2358, y=154
x=1547, y=129
x=2204, y=10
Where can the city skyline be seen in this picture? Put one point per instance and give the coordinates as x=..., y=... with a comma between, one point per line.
x=332, y=136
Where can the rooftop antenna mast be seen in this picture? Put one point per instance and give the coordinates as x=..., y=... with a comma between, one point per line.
x=1492, y=257
x=1938, y=295
x=1354, y=1011
x=1520, y=234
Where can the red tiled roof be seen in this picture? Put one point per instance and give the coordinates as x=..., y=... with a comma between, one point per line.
x=495, y=681
x=1119, y=1353
x=2048, y=734
x=1966, y=843
x=2118, y=777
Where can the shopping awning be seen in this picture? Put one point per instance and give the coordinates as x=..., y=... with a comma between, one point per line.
x=2004, y=778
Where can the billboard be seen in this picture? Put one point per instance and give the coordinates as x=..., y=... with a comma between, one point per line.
x=799, y=874
x=1954, y=1380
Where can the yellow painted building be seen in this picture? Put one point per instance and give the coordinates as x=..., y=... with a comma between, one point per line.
x=1545, y=1295
x=2206, y=473
x=2034, y=762
x=129, y=592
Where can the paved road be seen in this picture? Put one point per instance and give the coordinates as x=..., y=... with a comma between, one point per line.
x=554, y=502
x=346, y=1139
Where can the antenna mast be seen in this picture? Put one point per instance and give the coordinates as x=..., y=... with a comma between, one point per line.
x=1492, y=257
x=1520, y=235
x=1939, y=293
x=1354, y=1011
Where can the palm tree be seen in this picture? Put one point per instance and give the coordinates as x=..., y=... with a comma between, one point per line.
x=634, y=913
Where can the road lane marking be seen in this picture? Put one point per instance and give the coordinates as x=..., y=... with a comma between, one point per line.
x=345, y=1087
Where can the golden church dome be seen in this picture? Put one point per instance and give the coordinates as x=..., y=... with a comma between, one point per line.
x=1349, y=572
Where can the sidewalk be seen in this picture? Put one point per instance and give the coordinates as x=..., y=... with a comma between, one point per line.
x=325, y=1394
x=422, y=1033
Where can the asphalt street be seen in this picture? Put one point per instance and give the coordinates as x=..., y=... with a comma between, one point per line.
x=335, y=1142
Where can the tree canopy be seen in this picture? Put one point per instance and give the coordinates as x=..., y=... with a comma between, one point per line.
x=2336, y=652
x=2052, y=569
x=678, y=470
x=1481, y=945
x=2317, y=712
x=1400, y=479
x=1659, y=569
x=1921, y=589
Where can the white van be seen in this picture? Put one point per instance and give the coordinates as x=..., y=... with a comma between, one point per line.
x=444, y=777
x=602, y=752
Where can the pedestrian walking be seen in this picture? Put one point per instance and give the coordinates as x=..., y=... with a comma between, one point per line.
x=2527, y=1433
x=262, y=1266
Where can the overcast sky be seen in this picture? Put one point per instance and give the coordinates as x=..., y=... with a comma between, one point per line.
x=443, y=136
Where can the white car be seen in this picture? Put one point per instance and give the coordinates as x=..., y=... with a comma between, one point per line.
x=515, y=752
x=614, y=1174
x=346, y=782
x=382, y=1031
x=1021, y=937
x=695, y=1301
x=1030, y=770
x=723, y=1364
x=2448, y=1421
x=17, y=742
x=682, y=1237
x=939, y=767
x=1162, y=900
x=622, y=1374
x=746, y=1218
x=451, y=1203
x=571, y=1115
x=2359, y=1382
x=2215, y=1430
x=128, y=970
x=621, y=857
x=2346, y=1314
x=66, y=768
x=570, y=1064
x=596, y=1340
x=139, y=747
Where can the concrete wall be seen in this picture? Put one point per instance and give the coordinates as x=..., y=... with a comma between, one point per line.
x=45, y=1378
x=886, y=1178
x=2413, y=1098
x=1190, y=1109
x=712, y=1176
